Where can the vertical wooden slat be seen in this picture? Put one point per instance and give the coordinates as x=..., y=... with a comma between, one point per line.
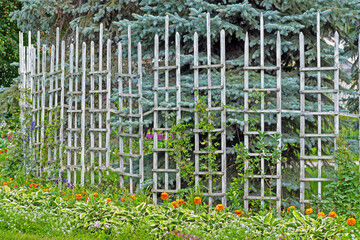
x=51, y=99
x=336, y=87
x=108, y=106
x=223, y=116
x=62, y=102
x=130, y=109
x=196, y=115
x=38, y=51
x=32, y=107
x=246, y=119
x=166, y=62
x=302, y=120
x=100, y=115
x=70, y=135
x=262, y=116
x=43, y=105
x=83, y=112
x=141, y=119
x=92, y=115
x=76, y=107
x=38, y=98
x=278, y=122
x=38, y=123
x=121, y=140
x=22, y=76
x=319, y=118
x=178, y=98
x=209, y=98
x=156, y=84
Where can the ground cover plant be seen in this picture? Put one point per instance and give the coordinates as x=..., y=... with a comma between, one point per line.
x=49, y=208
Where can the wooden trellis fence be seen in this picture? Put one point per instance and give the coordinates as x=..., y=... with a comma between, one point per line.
x=66, y=97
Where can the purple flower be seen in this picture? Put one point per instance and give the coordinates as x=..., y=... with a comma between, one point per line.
x=33, y=125
x=64, y=180
x=49, y=178
x=97, y=224
x=56, y=181
x=171, y=136
x=149, y=136
x=160, y=136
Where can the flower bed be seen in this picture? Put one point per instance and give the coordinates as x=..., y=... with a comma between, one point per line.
x=55, y=211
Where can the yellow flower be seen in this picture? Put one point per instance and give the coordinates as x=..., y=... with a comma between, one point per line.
x=175, y=204
x=164, y=195
x=95, y=194
x=181, y=202
x=332, y=214
x=219, y=207
x=351, y=221
x=291, y=207
x=320, y=215
x=197, y=200
x=309, y=211
x=238, y=212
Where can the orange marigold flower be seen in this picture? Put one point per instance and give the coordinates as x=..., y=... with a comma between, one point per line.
x=181, y=202
x=15, y=186
x=291, y=207
x=95, y=194
x=164, y=195
x=309, y=211
x=175, y=204
x=320, y=214
x=5, y=184
x=11, y=178
x=197, y=200
x=48, y=190
x=33, y=185
x=351, y=221
x=219, y=207
x=238, y=212
x=123, y=199
x=332, y=214
x=133, y=197
x=78, y=196
x=108, y=200
x=30, y=180
x=62, y=192
x=87, y=199
x=44, y=190
x=83, y=192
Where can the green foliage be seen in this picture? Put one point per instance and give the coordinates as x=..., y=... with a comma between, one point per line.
x=306, y=227
x=270, y=150
x=55, y=214
x=9, y=38
x=343, y=195
x=208, y=140
x=180, y=142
